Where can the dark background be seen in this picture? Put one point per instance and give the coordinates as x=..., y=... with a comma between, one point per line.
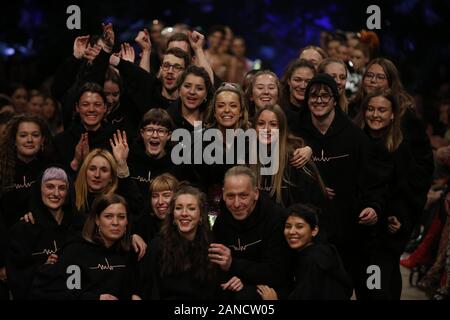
x=414, y=34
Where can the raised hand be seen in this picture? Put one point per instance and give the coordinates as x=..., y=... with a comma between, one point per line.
x=197, y=40
x=127, y=52
x=143, y=40
x=119, y=147
x=92, y=52
x=79, y=46
x=81, y=151
x=108, y=37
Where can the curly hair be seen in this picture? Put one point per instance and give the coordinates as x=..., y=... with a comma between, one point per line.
x=180, y=254
x=8, y=155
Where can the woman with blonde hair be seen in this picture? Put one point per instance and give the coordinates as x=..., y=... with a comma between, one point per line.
x=97, y=175
x=162, y=189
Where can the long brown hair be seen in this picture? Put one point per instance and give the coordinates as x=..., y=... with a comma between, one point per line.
x=393, y=136
x=288, y=143
x=8, y=148
x=285, y=94
x=179, y=254
x=405, y=100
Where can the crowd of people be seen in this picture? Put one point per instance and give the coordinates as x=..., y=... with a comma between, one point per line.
x=88, y=177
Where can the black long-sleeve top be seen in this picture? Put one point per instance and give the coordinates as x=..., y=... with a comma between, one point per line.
x=103, y=271
x=259, y=251
x=319, y=274
x=348, y=164
x=178, y=286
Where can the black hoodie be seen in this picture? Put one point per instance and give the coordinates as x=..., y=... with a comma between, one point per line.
x=143, y=168
x=259, y=251
x=176, y=286
x=31, y=244
x=143, y=88
x=14, y=202
x=348, y=164
x=320, y=275
x=66, y=141
x=102, y=270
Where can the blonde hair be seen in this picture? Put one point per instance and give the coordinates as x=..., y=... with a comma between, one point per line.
x=211, y=111
x=164, y=182
x=81, y=186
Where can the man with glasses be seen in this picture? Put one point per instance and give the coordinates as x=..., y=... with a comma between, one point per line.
x=350, y=172
x=146, y=89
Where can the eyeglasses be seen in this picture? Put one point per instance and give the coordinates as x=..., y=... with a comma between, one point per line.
x=175, y=67
x=325, y=98
x=160, y=131
x=378, y=76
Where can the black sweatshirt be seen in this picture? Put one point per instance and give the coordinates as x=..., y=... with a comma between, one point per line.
x=31, y=244
x=401, y=196
x=143, y=88
x=348, y=164
x=103, y=271
x=293, y=114
x=143, y=168
x=179, y=286
x=66, y=141
x=259, y=251
x=301, y=187
x=14, y=202
x=320, y=275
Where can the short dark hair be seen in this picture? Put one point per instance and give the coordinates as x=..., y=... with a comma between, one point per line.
x=159, y=117
x=307, y=212
x=179, y=53
x=91, y=87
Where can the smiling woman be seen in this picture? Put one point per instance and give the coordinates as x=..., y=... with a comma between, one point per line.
x=32, y=245
x=177, y=266
x=25, y=151
x=317, y=268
